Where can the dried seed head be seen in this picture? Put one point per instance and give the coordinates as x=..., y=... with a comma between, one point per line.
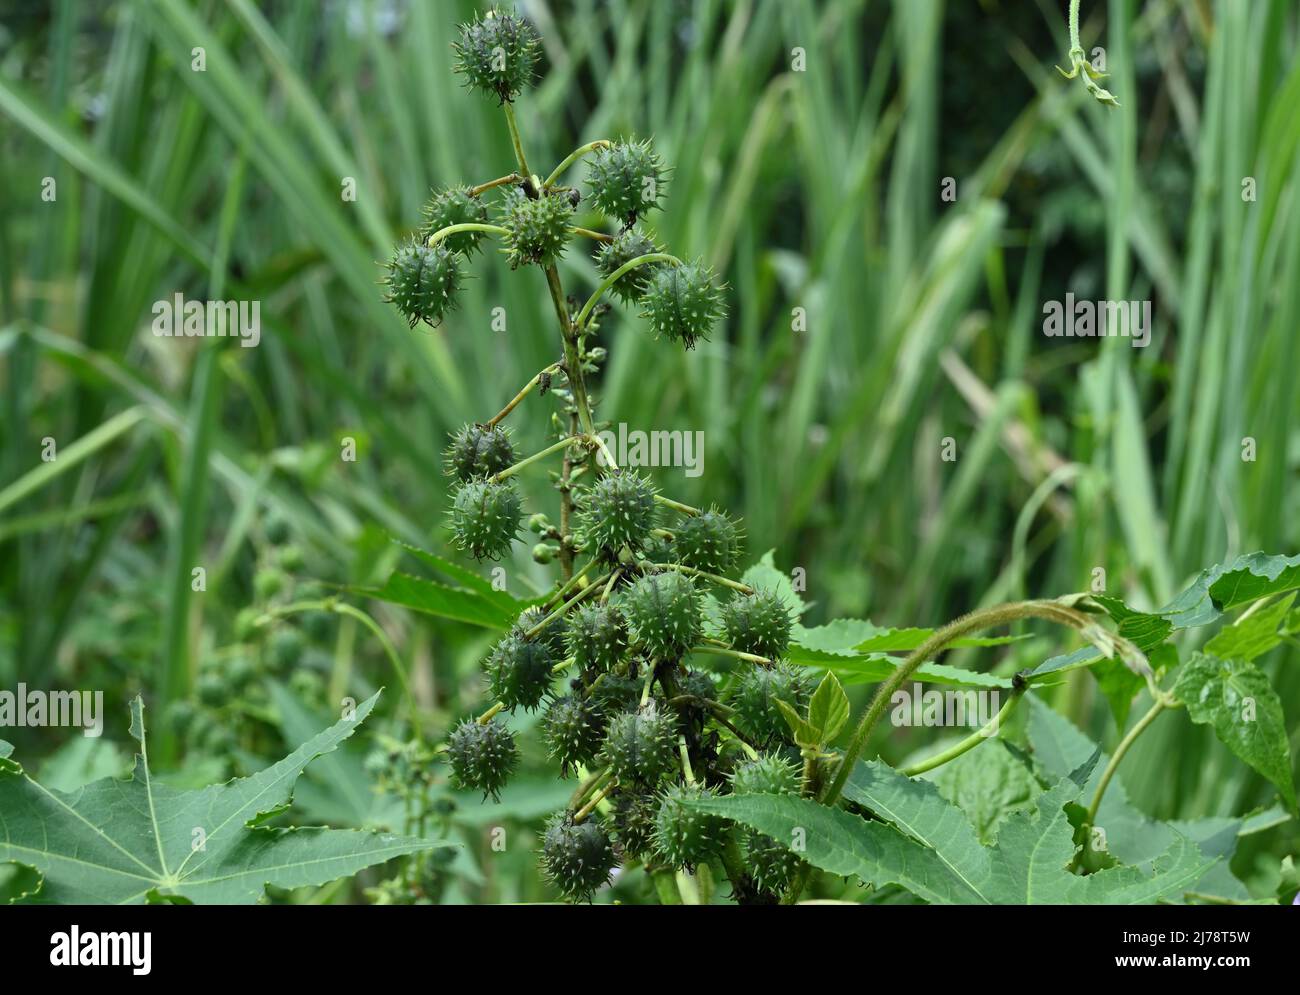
x=682, y=302
x=627, y=179
x=477, y=452
x=485, y=517
x=454, y=206
x=497, y=53
x=422, y=282
x=482, y=756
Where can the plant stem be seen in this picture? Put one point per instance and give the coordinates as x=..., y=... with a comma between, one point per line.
x=514, y=139
x=974, y=622
x=442, y=233
x=595, y=800
x=523, y=392
x=665, y=887
x=599, y=236
x=563, y=592
x=559, y=612
x=511, y=470
x=686, y=761
x=728, y=651
x=573, y=157
x=609, y=281
x=587, y=786
x=487, y=716
x=1074, y=27
x=685, y=509
x=970, y=742
x=572, y=361
x=1118, y=755
x=500, y=181
x=735, y=585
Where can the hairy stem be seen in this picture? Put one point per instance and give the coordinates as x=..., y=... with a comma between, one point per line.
x=1118, y=755
x=508, y=180
x=442, y=233
x=523, y=392
x=685, y=509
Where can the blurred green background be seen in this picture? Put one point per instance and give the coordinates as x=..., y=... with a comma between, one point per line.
x=810, y=143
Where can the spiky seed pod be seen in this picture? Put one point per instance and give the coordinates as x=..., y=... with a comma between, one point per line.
x=574, y=730
x=658, y=549
x=758, y=623
x=616, y=694
x=684, y=837
x=771, y=866
x=482, y=756
x=709, y=541
x=632, y=823
x=478, y=451
x=537, y=230
x=641, y=747
x=766, y=774
x=454, y=206
x=577, y=857
x=663, y=613
x=596, y=637
x=682, y=302
x=553, y=635
x=485, y=517
x=519, y=671
x=422, y=282
x=627, y=179
x=497, y=53
x=617, y=510
x=754, y=699
x=625, y=247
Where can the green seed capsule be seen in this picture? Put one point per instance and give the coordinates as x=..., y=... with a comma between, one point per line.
x=485, y=517
x=710, y=542
x=684, y=837
x=482, y=756
x=754, y=699
x=577, y=857
x=574, y=730
x=537, y=229
x=422, y=282
x=597, y=636
x=682, y=302
x=641, y=747
x=454, y=206
x=497, y=53
x=632, y=823
x=627, y=179
x=766, y=774
x=758, y=623
x=625, y=247
x=663, y=613
x=519, y=671
x=618, y=510
x=477, y=451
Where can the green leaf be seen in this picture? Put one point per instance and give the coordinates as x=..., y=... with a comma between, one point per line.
x=841, y=843
x=764, y=576
x=803, y=732
x=432, y=598
x=1255, y=634
x=118, y=841
x=1236, y=699
x=988, y=785
x=828, y=710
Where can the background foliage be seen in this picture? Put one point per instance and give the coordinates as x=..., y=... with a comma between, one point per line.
x=816, y=189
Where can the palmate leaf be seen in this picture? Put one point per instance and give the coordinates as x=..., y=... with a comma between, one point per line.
x=922, y=843
x=1236, y=699
x=135, y=840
